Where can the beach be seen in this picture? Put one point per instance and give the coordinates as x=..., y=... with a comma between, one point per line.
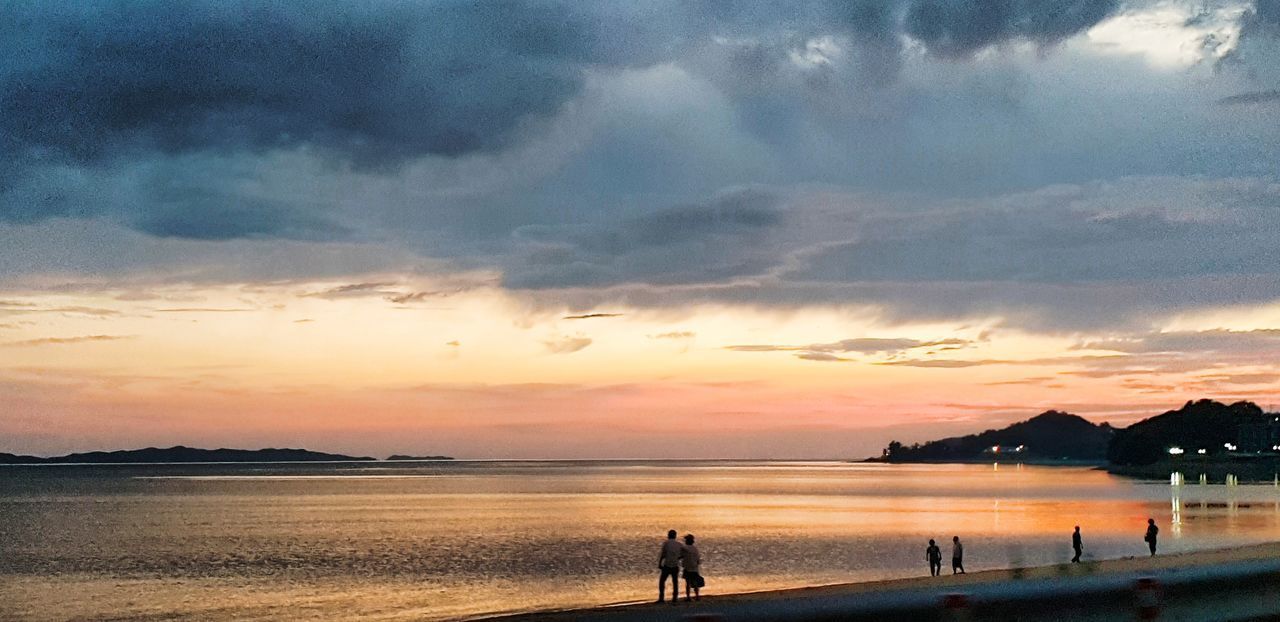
x=1053, y=581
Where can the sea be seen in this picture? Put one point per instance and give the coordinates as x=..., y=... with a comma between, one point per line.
x=452, y=540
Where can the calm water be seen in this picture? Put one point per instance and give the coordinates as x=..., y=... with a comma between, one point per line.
x=452, y=540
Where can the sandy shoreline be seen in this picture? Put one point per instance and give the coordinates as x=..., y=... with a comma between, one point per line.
x=943, y=584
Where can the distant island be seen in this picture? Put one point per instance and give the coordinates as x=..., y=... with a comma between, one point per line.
x=400, y=457
x=1202, y=437
x=1051, y=436
x=182, y=454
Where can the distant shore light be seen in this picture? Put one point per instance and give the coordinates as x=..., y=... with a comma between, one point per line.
x=1176, y=451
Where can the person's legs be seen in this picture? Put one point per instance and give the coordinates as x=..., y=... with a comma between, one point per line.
x=1152, y=544
x=662, y=585
x=692, y=585
x=1076, y=559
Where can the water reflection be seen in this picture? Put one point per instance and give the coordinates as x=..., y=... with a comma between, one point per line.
x=1175, y=519
x=478, y=538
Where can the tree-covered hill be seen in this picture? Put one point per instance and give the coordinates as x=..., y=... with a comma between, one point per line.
x=1052, y=435
x=1203, y=424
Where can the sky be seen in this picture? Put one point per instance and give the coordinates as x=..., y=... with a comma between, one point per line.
x=693, y=229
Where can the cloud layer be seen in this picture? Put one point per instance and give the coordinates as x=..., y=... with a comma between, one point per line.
x=921, y=159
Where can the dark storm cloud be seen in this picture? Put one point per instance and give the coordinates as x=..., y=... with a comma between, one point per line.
x=718, y=239
x=105, y=85
x=958, y=28
x=1062, y=259
x=375, y=85
x=97, y=89
x=311, y=141
x=1130, y=230
x=202, y=216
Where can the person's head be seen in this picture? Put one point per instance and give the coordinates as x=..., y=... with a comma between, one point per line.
x=955, y=538
x=1077, y=527
x=931, y=542
x=688, y=538
x=671, y=535
x=1151, y=521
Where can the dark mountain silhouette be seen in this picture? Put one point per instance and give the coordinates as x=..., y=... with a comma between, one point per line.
x=182, y=454
x=400, y=457
x=1051, y=435
x=1203, y=424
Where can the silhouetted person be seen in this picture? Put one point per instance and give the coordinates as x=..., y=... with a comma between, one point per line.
x=692, y=562
x=1150, y=538
x=957, y=556
x=1076, y=544
x=934, y=554
x=669, y=566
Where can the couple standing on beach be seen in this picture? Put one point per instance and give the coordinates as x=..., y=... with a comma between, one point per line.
x=671, y=558
x=934, y=555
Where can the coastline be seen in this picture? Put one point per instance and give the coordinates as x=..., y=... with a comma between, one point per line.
x=1050, y=462
x=932, y=589
x=1260, y=471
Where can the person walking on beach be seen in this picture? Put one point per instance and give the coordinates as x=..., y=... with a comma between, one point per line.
x=934, y=554
x=1150, y=538
x=957, y=556
x=1077, y=544
x=692, y=561
x=669, y=566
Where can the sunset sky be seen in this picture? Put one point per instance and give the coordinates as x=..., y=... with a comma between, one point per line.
x=629, y=230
